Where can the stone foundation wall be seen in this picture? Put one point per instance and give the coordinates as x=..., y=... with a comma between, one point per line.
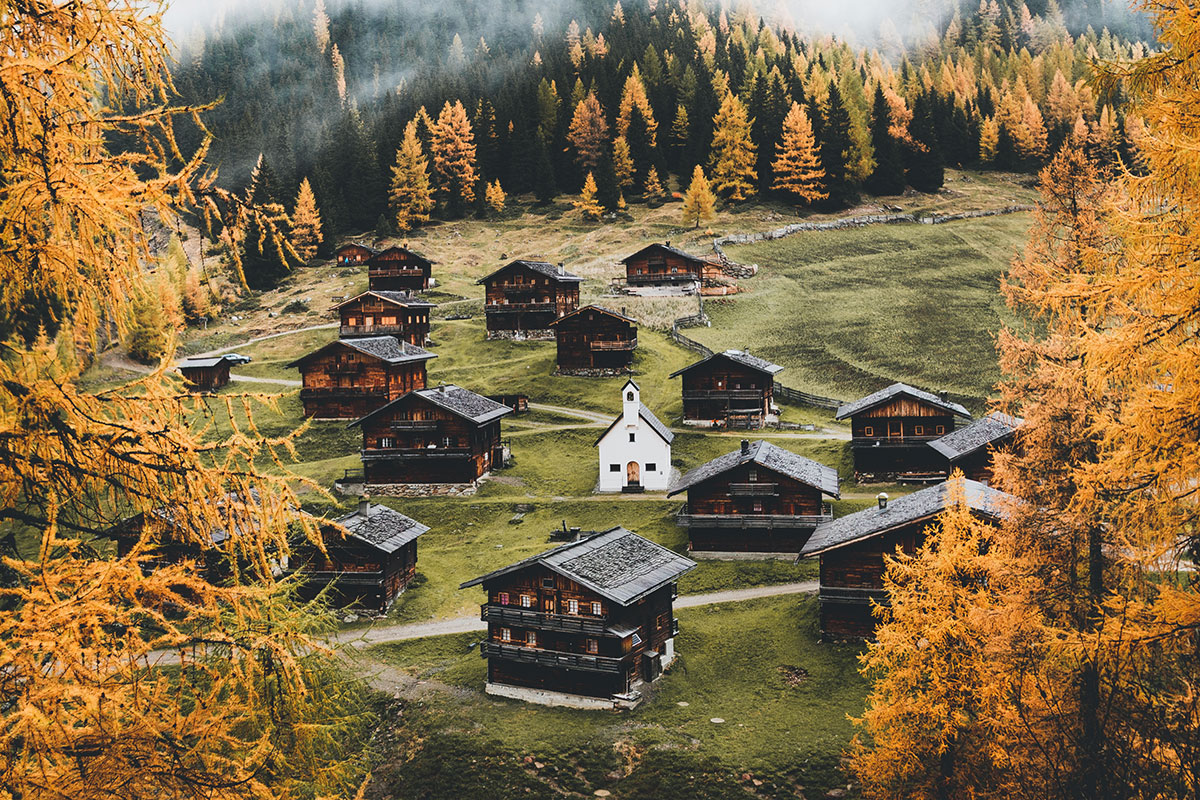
x=521, y=336
x=547, y=698
x=594, y=373
x=738, y=555
x=408, y=489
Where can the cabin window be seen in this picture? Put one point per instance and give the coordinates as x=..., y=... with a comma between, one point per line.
x=387, y=321
x=868, y=431
x=502, y=598
x=753, y=476
x=385, y=441
x=572, y=606
x=506, y=634
x=629, y=396
x=593, y=646
x=633, y=437
x=531, y=638
x=596, y=609
x=651, y=466
x=661, y=622
x=637, y=639
x=919, y=430
x=547, y=583
x=614, y=467
x=758, y=506
x=941, y=429
x=526, y=601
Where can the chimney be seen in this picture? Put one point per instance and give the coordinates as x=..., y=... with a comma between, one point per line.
x=623, y=314
x=442, y=388
x=882, y=499
x=575, y=533
x=745, y=447
x=364, y=504
x=668, y=243
x=943, y=395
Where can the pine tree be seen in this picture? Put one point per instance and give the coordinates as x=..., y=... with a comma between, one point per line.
x=680, y=135
x=608, y=187
x=411, y=198
x=633, y=97
x=925, y=170
x=797, y=167
x=545, y=185
x=642, y=153
x=888, y=176
x=196, y=305
x=732, y=159
x=835, y=149
x=588, y=133
x=699, y=200
x=453, y=150
x=622, y=163
x=587, y=204
x=265, y=258
x=306, y=223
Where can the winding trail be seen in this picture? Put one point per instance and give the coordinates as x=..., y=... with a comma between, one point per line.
x=384, y=633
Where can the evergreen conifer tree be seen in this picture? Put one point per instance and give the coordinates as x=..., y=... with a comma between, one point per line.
x=835, y=149
x=306, y=223
x=888, y=175
x=797, y=168
x=411, y=198
x=733, y=157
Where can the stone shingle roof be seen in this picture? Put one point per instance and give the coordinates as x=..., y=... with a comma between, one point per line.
x=549, y=270
x=737, y=356
x=381, y=527
x=910, y=509
x=774, y=458
x=455, y=399
x=669, y=249
x=399, y=298
x=387, y=348
x=985, y=431
x=884, y=395
x=617, y=564
x=202, y=362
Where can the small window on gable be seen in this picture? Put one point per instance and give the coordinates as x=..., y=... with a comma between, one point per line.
x=753, y=476
x=868, y=431
x=941, y=429
x=596, y=609
x=614, y=467
x=547, y=583
x=593, y=646
x=633, y=437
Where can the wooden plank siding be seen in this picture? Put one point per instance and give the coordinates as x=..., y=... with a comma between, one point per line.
x=657, y=266
x=721, y=390
x=206, y=379
x=344, y=383
x=398, y=270
x=361, y=576
x=891, y=441
x=521, y=300
x=594, y=341
x=371, y=315
x=417, y=441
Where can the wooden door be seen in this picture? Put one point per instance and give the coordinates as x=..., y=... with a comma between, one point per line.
x=632, y=473
x=893, y=428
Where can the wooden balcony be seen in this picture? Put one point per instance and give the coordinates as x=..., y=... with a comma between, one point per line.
x=529, y=618
x=550, y=658
x=624, y=344
x=686, y=519
x=395, y=272
x=892, y=441
x=724, y=394
x=338, y=392
x=343, y=577
x=414, y=453
x=663, y=277
x=376, y=330
x=415, y=425
x=754, y=489
x=518, y=288
x=503, y=308
x=851, y=595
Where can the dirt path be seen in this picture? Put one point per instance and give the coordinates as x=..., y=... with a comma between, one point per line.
x=382, y=633
x=591, y=416
x=273, y=381
x=322, y=327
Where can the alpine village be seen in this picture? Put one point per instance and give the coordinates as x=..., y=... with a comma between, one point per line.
x=632, y=399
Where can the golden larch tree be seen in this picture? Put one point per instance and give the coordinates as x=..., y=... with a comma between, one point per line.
x=587, y=204
x=588, y=132
x=306, y=223
x=699, y=200
x=622, y=162
x=733, y=153
x=797, y=164
x=453, y=150
x=654, y=187
x=634, y=96
x=410, y=197
x=495, y=197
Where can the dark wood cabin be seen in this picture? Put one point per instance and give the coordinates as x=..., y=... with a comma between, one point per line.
x=971, y=447
x=585, y=624
x=350, y=378
x=211, y=373
x=378, y=313
x=731, y=389
x=519, y=403
x=595, y=341
x=398, y=269
x=353, y=254
x=444, y=435
x=368, y=566
x=663, y=265
x=522, y=298
x=891, y=430
x=851, y=550
x=757, y=499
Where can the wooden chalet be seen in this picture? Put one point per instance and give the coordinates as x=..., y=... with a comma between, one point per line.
x=353, y=254
x=759, y=499
x=851, y=550
x=398, y=269
x=585, y=624
x=444, y=435
x=384, y=313
x=207, y=374
x=663, y=266
x=518, y=402
x=368, y=565
x=522, y=298
x=891, y=430
x=971, y=448
x=731, y=389
x=595, y=341
x=350, y=378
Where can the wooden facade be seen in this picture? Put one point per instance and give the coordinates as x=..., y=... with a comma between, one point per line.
x=366, y=567
x=759, y=499
x=595, y=341
x=891, y=431
x=353, y=254
x=852, y=551
x=385, y=313
x=445, y=435
x=207, y=374
x=589, y=619
x=350, y=378
x=523, y=298
x=663, y=265
x=398, y=269
x=731, y=389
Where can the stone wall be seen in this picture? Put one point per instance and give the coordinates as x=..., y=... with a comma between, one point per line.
x=521, y=336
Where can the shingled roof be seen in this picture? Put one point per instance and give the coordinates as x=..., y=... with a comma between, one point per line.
x=669, y=249
x=616, y=564
x=387, y=348
x=739, y=357
x=455, y=399
x=765, y=454
x=549, y=270
x=908, y=510
x=399, y=298
x=380, y=527
x=896, y=389
x=601, y=309
x=985, y=431
x=203, y=362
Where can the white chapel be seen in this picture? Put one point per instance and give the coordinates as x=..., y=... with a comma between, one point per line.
x=635, y=451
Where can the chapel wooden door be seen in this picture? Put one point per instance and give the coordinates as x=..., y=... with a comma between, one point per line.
x=633, y=473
